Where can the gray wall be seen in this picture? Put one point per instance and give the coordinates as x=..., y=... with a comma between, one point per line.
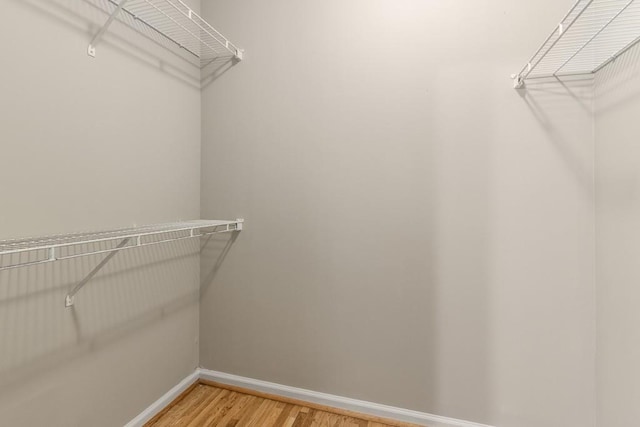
x=618, y=240
x=90, y=145
x=418, y=233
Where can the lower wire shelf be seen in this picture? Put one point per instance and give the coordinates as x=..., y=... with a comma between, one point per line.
x=34, y=251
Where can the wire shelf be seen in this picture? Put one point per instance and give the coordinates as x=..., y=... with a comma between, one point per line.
x=24, y=252
x=592, y=34
x=172, y=24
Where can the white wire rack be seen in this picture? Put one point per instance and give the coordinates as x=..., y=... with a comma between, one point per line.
x=592, y=34
x=170, y=22
x=40, y=250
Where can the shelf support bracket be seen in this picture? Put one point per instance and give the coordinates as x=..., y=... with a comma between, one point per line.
x=91, y=50
x=518, y=81
x=70, y=298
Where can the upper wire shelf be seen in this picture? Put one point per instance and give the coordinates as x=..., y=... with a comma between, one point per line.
x=172, y=24
x=592, y=34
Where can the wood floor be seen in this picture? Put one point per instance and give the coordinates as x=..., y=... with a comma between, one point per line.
x=211, y=405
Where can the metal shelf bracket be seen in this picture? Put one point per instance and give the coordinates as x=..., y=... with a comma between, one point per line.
x=518, y=81
x=91, y=50
x=70, y=298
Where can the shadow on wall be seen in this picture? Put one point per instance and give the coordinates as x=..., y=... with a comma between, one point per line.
x=617, y=92
x=136, y=288
x=542, y=98
x=215, y=69
x=618, y=81
x=152, y=50
x=214, y=250
x=458, y=291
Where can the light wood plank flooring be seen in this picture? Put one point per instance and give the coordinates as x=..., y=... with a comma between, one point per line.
x=212, y=405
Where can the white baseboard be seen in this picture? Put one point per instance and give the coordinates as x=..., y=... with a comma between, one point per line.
x=325, y=399
x=345, y=403
x=157, y=406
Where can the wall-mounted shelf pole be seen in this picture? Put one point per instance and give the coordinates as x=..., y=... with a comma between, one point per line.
x=91, y=50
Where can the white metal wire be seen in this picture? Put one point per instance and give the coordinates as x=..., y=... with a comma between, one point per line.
x=172, y=22
x=593, y=33
x=23, y=252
